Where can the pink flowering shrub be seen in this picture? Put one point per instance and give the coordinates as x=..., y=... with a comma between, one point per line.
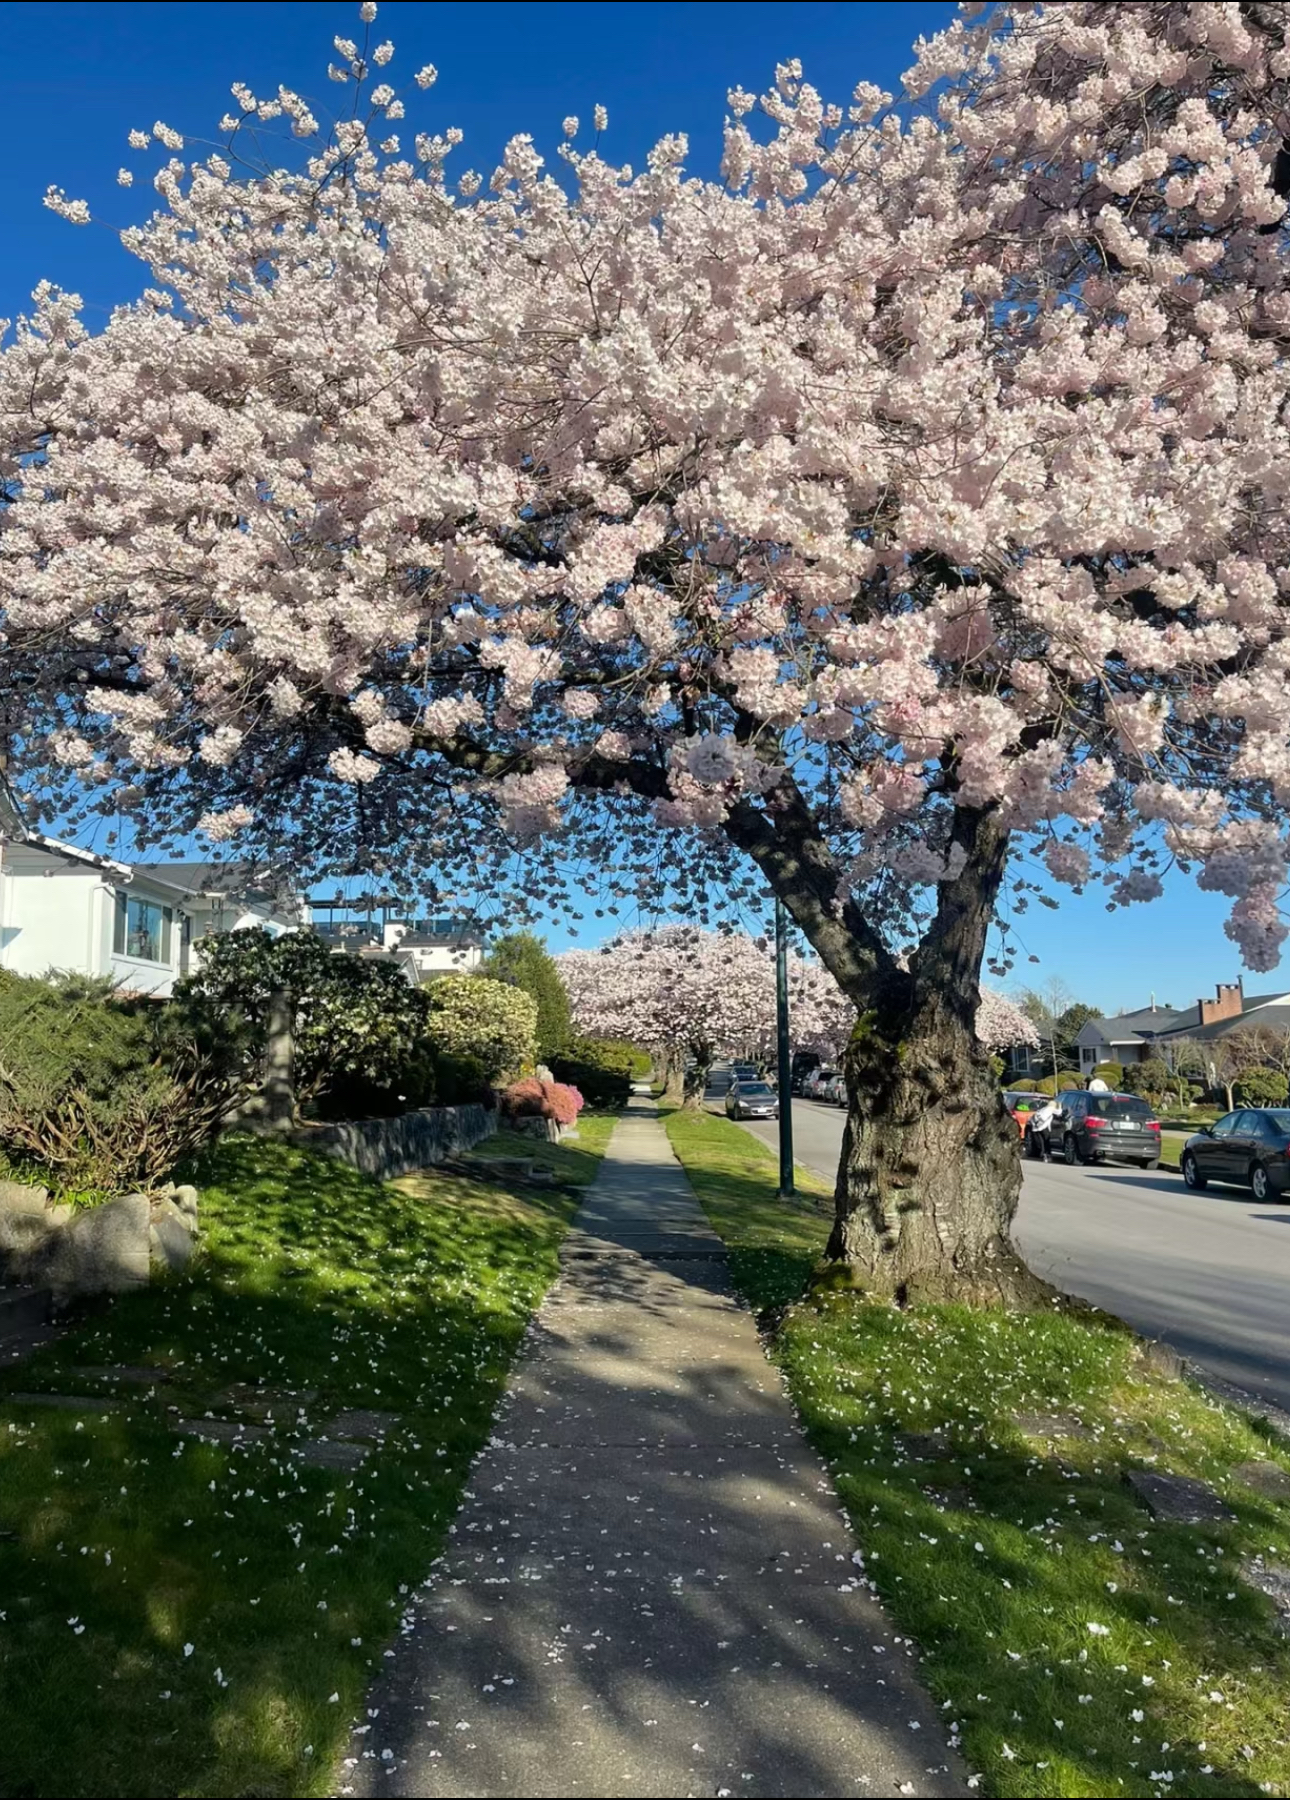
x=534, y=1098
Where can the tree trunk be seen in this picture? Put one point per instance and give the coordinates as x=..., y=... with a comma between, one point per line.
x=279, y=1061
x=673, y=1092
x=696, y=1076
x=930, y=1171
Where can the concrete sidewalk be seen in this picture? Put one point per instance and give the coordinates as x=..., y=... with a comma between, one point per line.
x=649, y=1586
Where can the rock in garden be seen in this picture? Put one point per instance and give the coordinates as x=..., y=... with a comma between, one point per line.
x=172, y=1235
x=28, y=1219
x=1177, y=1499
x=361, y=1422
x=1272, y=1579
x=1162, y=1359
x=223, y=1431
x=101, y=1250
x=323, y=1453
x=1266, y=1478
x=1050, y=1425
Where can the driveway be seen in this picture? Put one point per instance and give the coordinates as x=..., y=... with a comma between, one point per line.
x=1210, y=1272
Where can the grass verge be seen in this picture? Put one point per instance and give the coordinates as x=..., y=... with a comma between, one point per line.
x=186, y=1618
x=1080, y=1646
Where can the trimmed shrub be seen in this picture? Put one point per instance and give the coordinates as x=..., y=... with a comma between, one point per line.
x=1112, y=1073
x=1048, y=1084
x=533, y=1098
x=601, y=1068
x=1261, y=1087
x=488, y=1020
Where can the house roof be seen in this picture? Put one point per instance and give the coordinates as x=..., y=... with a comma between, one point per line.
x=1149, y=1023
x=1270, y=1010
x=241, y=880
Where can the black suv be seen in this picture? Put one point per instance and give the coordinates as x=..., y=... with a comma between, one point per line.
x=1095, y=1127
x=1250, y=1147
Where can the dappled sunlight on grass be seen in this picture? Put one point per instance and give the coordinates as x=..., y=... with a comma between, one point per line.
x=185, y=1617
x=1082, y=1646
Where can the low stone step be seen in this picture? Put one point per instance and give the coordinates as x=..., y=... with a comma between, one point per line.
x=21, y=1344
x=22, y=1309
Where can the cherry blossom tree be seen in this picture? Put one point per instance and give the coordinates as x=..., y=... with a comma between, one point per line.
x=687, y=993
x=1002, y=1026
x=902, y=515
x=702, y=994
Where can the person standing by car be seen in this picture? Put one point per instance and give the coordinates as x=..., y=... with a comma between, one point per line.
x=1041, y=1130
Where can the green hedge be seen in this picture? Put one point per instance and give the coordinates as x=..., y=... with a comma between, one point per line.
x=602, y=1069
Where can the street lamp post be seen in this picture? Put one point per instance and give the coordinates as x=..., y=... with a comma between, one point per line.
x=785, y=1054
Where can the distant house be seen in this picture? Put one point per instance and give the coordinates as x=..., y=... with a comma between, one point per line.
x=1133, y=1037
x=1021, y=1060
x=422, y=948
x=140, y=924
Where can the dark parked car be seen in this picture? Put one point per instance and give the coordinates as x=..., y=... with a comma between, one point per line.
x=1250, y=1147
x=745, y=1071
x=1099, y=1127
x=752, y=1100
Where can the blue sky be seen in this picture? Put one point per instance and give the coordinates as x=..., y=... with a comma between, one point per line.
x=77, y=78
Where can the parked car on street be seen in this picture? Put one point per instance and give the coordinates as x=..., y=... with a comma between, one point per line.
x=1094, y=1128
x=1021, y=1105
x=746, y=1071
x=1250, y=1148
x=816, y=1081
x=834, y=1091
x=752, y=1100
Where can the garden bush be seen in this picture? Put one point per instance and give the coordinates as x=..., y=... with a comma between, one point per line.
x=365, y=1042
x=533, y=1098
x=100, y=1094
x=602, y=1069
x=1048, y=1084
x=1153, y=1079
x=471, y=1015
x=1112, y=1073
x=1261, y=1087
x=361, y=1034
x=522, y=961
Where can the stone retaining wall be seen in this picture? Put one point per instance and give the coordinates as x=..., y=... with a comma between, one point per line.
x=399, y=1146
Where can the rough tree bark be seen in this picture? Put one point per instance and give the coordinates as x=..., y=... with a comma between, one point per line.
x=279, y=1063
x=930, y=1171
x=696, y=1076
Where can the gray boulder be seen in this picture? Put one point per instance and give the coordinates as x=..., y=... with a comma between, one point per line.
x=28, y=1220
x=100, y=1250
x=172, y=1233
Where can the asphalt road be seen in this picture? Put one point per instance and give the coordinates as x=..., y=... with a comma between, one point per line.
x=1208, y=1272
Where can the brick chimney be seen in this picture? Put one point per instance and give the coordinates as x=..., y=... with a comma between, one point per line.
x=1229, y=1004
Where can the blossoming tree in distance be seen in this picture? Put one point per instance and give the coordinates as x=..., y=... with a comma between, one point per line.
x=690, y=994
x=697, y=995
x=910, y=502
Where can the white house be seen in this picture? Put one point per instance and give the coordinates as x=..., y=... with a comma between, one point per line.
x=141, y=924
x=422, y=948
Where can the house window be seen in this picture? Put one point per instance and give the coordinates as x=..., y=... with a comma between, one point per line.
x=142, y=929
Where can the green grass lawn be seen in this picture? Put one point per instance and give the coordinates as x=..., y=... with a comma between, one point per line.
x=1171, y=1147
x=181, y=1618
x=1079, y=1646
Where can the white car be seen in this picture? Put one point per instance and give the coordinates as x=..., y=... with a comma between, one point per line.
x=813, y=1088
